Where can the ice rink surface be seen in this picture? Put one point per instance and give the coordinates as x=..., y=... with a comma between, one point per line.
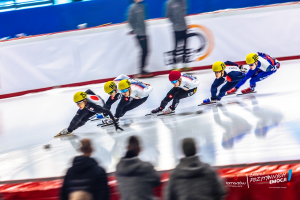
x=244, y=129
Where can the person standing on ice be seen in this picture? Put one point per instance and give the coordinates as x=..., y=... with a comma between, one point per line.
x=233, y=74
x=184, y=86
x=176, y=11
x=261, y=67
x=89, y=104
x=136, y=20
x=132, y=93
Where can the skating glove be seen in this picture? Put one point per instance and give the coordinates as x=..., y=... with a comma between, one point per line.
x=243, y=69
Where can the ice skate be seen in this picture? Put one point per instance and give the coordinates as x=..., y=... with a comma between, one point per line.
x=232, y=91
x=63, y=133
x=167, y=111
x=155, y=111
x=247, y=91
x=207, y=101
x=185, y=68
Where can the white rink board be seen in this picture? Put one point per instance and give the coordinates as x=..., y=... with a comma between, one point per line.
x=100, y=53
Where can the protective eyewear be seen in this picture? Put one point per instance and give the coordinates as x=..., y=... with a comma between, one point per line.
x=111, y=92
x=173, y=82
x=125, y=90
x=79, y=102
x=251, y=64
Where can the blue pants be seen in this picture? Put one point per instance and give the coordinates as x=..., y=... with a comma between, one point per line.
x=225, y=88
x=255, y=78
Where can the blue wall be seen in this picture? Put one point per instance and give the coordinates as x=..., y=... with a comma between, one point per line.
x=65, y=17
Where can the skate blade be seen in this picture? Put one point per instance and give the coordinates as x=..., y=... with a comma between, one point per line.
x=172, y=113
x=59, y=136
x=203, y=104
x=105, y=125
x=154, y=114
x=246, y=93
x=230, y=94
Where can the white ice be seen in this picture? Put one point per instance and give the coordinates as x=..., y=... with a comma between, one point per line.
x=252, y=128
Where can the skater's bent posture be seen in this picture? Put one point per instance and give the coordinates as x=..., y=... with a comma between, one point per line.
x=132, y=93
x=184, y=86
x=228, y=71
x=89, y=104
x=261, y=67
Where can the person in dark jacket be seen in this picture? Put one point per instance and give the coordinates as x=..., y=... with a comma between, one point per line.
x=136, y=20
x=136, y=178
x=176, y=11
x=85, y=175
x=193, y=179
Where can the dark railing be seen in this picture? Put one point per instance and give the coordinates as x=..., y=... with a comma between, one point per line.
x=8, y=5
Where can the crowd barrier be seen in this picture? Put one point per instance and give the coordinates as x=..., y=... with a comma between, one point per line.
x=64, y=17
x=99, y=54
x=259, y=182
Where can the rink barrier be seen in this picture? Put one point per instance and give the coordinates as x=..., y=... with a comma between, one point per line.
x=79, y=57
x=4, y=96
x=259, y=182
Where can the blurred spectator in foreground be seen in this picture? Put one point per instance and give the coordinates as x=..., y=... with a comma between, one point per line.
x=136, y=19
x=136, y=178
x=193, y=179
x=176, y=11
x=85, y=180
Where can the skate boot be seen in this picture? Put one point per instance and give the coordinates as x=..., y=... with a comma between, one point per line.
x=145, y=74
x=63, y=133
x=248, y=90
x=209, y=101
x=232, y=91
x=185, y=67
x=156, y=111
x=109, y=121
x=168, y=111
x=175, y=67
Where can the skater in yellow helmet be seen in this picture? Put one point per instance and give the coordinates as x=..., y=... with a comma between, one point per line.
x=224, y=71
x=261, y=66
x=132, y=93
x=89, y=104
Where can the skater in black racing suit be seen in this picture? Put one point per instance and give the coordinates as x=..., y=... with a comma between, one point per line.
x=89, y=104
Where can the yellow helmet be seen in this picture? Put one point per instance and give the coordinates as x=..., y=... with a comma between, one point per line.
x=109, y=86
x=79, y=96
x=218, y=66
x=124, y=84
x=251, y=58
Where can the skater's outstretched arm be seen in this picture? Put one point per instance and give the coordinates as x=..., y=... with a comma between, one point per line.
x=249, y=74
x=215, y=85
x=76, y=119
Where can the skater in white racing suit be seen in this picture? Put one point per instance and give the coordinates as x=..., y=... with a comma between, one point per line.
x=89, y=103
x=132, y=93
x=184, y=86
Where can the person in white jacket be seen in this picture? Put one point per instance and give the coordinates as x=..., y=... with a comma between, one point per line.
x=184, y=86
